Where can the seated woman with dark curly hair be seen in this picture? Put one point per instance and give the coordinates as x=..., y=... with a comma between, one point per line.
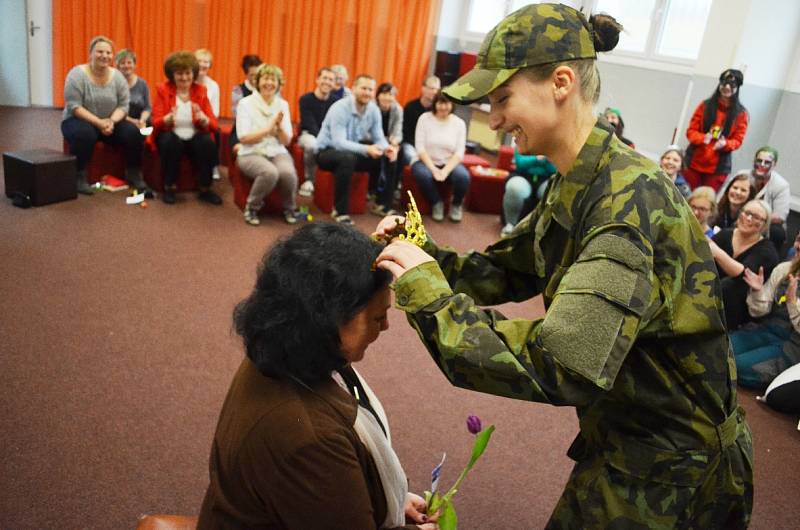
x=301, y=438
x=182, y=123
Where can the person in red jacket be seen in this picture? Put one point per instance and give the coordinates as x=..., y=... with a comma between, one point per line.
x=182, y=123
x=717, y=128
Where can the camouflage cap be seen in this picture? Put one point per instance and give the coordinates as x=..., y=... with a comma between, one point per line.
x=534, y=35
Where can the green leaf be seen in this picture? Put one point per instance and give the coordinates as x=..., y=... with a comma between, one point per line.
x=448, y=519
x=433, y=501
x=481, y=441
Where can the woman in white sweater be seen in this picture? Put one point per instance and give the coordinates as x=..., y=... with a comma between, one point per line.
x=440, y=140
x=265, y=129
x=767, y=347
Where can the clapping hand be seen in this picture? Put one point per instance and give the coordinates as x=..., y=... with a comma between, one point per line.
x=199, y=115
x=755, y=281
x=791, y=290
x=721, y=143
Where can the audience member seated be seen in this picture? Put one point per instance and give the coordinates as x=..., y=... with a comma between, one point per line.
x=440, y=142
x=204, y=59
x=302, y=439
x=392, y=123
x=313, y=108
x=739, y=249
x=96, y=99
x=250, y=64
x=340, y=77
x=739, y=190
x=531, y=172
x=765, y=348
x=773, y=189
x=265, y=128
x=716, y=129
x=411, y=113
x=351, y=139
x=614, y=117
x=704, y=207
x=672, y=163
x=182, y=122
x=139, y=108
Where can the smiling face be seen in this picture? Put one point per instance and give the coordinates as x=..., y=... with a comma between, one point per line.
x=364, y=90
x=127, y=66
x=752, y=218
x=443, y=108
x=205, y=64
x=671, y=164
x=363, y=329
x=763, y=164
x=385, y=100
x=727, y=88
x=739, y=192
x=268, y=86
x=183, y=79
x=102, y=54
x=325, y=82
x=612, y=118
x=527, y=110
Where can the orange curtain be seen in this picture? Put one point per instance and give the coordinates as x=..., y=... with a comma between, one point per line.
x=390, y=40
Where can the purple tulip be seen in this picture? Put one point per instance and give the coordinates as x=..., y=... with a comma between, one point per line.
x=474, y=424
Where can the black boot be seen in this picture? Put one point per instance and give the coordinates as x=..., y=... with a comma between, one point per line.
x=83, y=184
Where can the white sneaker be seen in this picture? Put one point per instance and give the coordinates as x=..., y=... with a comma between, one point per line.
x=456, y=213
x=438, y=211
x=215, y=173
x=506, y=230
x=306, y=189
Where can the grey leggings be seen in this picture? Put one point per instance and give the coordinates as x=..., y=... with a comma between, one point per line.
x=266, y=173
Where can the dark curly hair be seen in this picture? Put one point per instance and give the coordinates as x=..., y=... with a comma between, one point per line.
x=308, y=285
x=180, y=61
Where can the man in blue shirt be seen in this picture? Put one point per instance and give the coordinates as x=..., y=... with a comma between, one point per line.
x=351, y=139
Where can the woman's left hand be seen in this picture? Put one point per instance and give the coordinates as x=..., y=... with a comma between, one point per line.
x=721, y=143
x=415, y=508
x=199, y=114
x=401, y=256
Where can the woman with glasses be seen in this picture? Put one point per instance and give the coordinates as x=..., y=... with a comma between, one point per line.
x=765, y=349
x=703, y=206
x=741, y=249
x=717, y=129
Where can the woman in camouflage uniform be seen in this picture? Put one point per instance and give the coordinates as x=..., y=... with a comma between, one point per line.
x=633, y=336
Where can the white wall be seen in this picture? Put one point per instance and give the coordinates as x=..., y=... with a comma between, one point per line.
x=13, y=54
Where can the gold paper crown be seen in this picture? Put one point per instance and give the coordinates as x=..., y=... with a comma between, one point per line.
x=412, y=230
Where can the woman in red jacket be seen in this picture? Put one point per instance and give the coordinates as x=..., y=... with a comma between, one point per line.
x=717, y=128
x=182, y=123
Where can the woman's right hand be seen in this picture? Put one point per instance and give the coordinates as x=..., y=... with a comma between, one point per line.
x=755, y=281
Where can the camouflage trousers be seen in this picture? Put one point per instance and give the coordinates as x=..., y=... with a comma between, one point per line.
x=598, y=495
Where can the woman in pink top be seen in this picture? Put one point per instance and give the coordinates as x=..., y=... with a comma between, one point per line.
x=440, y=140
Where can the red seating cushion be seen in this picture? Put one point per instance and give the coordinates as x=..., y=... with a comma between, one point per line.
x=106, y=159
x=486, y=191
x=323, y=191
x=474, y=160
x=153, y=175
x=273, y=203
x=505, y=157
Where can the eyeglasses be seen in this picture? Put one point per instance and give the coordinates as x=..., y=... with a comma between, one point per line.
x=750, y=216
x=704, y=209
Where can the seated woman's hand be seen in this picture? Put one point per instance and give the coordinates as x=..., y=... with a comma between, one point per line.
x=415, y=509
x=791, y=289
x=755, y=281
x=401, y=256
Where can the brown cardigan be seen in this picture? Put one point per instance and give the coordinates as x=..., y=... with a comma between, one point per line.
x=287, y=457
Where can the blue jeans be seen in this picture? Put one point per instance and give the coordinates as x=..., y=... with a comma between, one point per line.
x=752, y=346
x=458, y=178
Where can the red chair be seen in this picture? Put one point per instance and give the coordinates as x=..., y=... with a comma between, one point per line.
x=424, y=207
x=505, y=157
x=273, y=203
x=323, y=191
x=225, y=155
x=151, y=170
x=486, y=189
x=106, y=159
x=471, y=160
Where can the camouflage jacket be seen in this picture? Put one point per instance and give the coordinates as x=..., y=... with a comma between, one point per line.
x=633, y=336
